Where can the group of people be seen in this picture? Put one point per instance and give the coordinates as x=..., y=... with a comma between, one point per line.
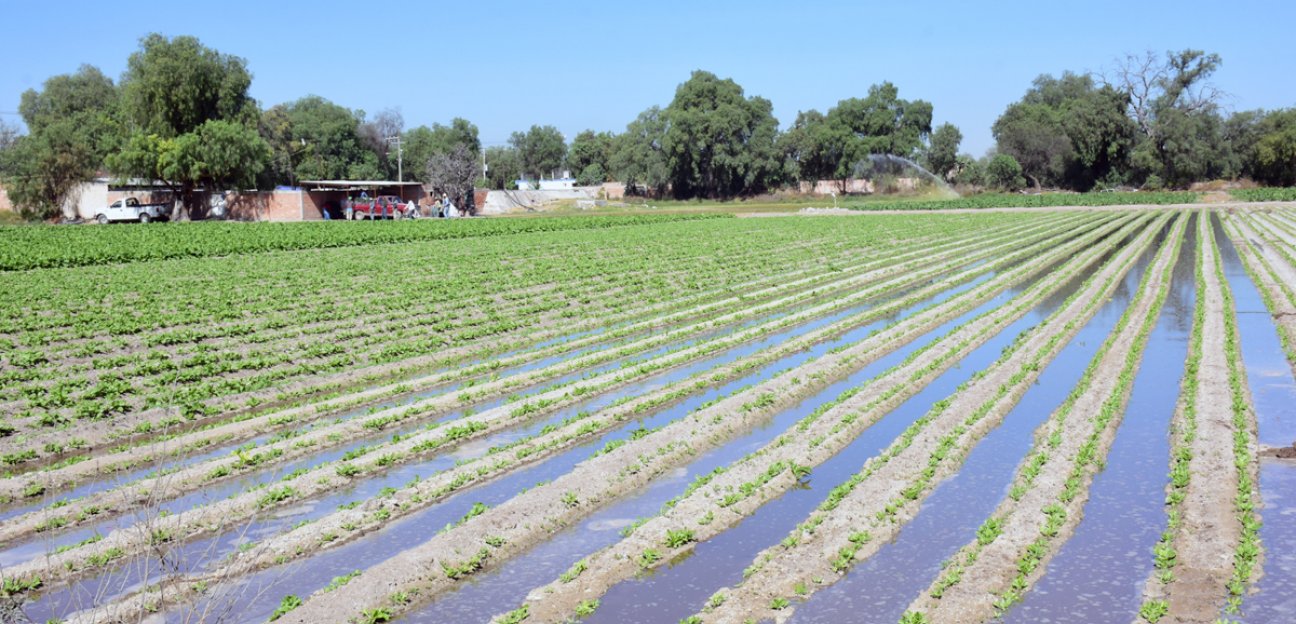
x=441, y=207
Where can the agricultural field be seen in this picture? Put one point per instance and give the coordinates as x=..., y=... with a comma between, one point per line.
x=1040, y=416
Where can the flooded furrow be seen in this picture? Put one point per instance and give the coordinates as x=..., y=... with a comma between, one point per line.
x=1098, y=575
x=1273, y=394
x=683, y=588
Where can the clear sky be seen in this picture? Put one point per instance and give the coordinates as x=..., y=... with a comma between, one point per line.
x=576, y=65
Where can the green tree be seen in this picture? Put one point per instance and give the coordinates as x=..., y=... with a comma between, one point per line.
x=318, y=140
x=942, y=155
x=421, y=144
x=719, y=143
x=541, y=150
x=1241, y=131
x=589, y=156
x=172, y=91
x=503, y=167
x=638, y=158
x=172, y=86
x=1175, y=107
x=810, y=148
x=1275, y=151
x=216, y=154
x=1068, y=132
x=881, y=123
x=73, y=123
x=1033, y=135
x=1003, y=172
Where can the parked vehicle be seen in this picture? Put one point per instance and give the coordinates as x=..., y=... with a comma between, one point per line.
x=381, y=207
x=130, y=209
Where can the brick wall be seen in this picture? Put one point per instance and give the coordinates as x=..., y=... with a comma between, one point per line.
x=273, y=206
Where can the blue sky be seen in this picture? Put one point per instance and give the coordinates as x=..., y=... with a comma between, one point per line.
x=576, y=65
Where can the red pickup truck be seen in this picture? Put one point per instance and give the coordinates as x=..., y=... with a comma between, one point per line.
x=381, y=207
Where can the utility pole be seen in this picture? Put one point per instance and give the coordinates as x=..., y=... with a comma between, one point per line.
x=400, y=158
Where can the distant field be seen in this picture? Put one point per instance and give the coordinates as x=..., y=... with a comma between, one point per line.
x=892, y=202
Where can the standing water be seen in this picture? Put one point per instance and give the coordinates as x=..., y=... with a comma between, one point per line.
x=1273, y=391
x=1099, y=573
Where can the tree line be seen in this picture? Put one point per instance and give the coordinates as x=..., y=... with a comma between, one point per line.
x=181, y=114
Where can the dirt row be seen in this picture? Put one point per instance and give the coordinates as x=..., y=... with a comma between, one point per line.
x=993, y=579
x=1208, y=528
x=814, y=441
x=529, y=517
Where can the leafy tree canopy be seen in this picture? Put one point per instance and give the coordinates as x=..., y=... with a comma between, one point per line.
x=173, y=91
x=73, y=124
x=638, y=158
x=541, y=150
x=719, y=143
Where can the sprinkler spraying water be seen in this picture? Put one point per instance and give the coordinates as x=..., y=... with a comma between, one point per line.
x=890, y=163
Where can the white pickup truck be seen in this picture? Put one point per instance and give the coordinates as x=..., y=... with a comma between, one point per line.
x=130, y=209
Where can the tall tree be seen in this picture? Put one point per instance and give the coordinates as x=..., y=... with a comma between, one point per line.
x=541, y=149
x=882, y=123
x=173, y=91
x=811, y=148
x=1275, y=151
x=73, y=123
x=719, y=143
x=453, y=173
x=1068, y=132
x=1176, y=108
x=319, y=140
x=421, y=144
x=589, y=156
x=503, y=167
x=638, y=158
x=942, y=155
